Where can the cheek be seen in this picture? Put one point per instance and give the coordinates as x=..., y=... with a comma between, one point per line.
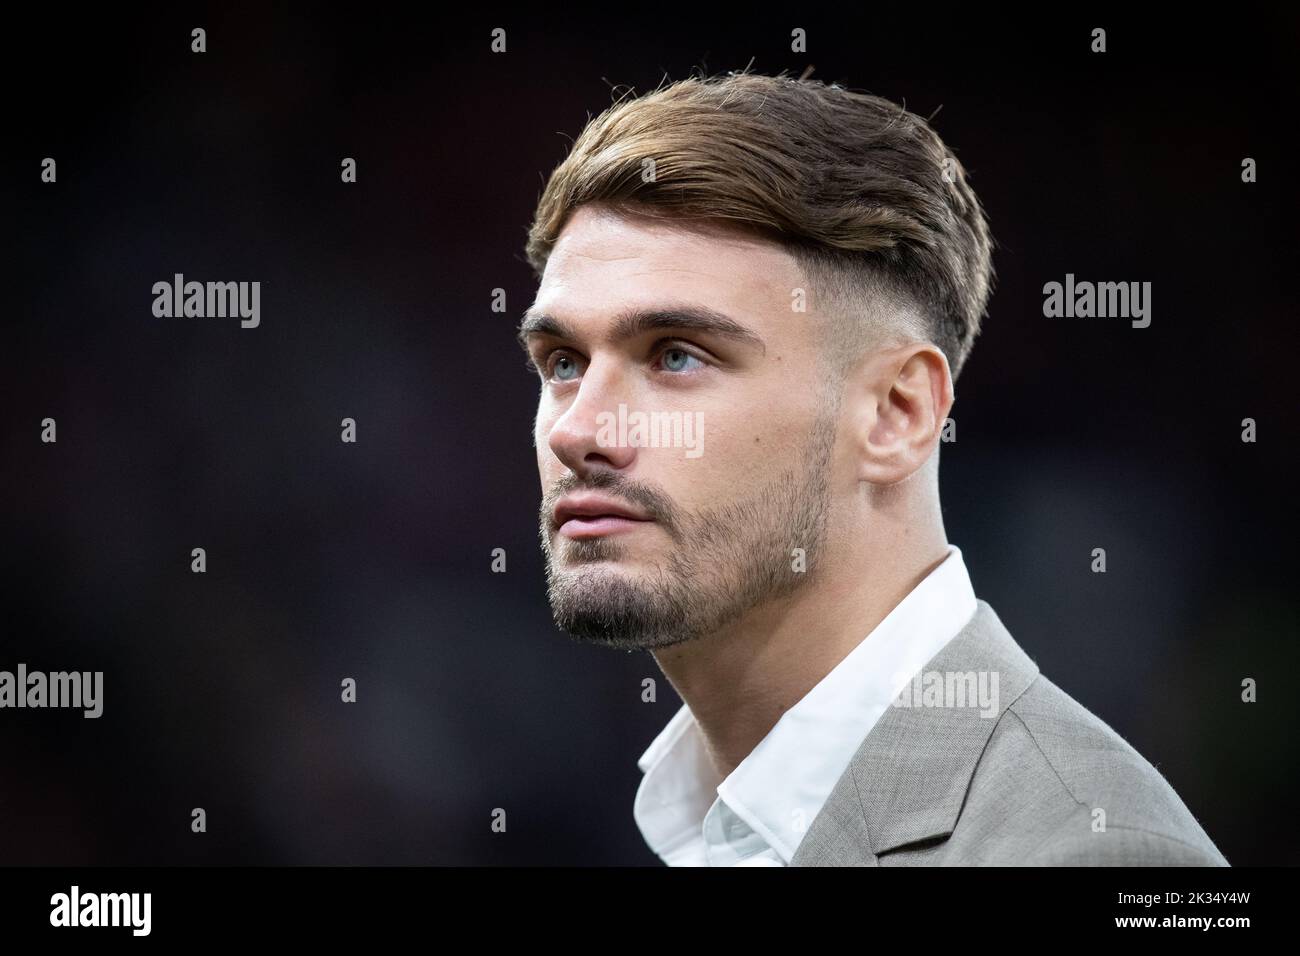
x=738, y=453
x=546, y=460
x=764, y=447
x=542, y=423
x=761, y=441
x=548, y=466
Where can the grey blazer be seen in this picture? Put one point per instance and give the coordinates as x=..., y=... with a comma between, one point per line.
x=1041, y=781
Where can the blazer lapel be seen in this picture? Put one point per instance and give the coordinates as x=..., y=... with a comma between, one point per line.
x=908, y=780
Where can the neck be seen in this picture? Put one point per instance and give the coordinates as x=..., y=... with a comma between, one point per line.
x=738, y=681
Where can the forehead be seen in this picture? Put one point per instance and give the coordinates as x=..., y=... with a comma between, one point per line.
x=606, y=261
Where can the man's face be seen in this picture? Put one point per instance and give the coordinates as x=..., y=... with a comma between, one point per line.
x=708, y=529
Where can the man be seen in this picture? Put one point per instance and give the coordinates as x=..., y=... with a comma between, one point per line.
x=756, y=294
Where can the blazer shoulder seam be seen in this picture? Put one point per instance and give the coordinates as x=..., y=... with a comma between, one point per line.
x=989, y=743
x=1046, y=759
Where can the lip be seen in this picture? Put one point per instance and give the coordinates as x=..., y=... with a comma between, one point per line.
x=592, y=515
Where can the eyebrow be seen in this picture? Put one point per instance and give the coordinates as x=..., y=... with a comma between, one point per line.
x=696, y=318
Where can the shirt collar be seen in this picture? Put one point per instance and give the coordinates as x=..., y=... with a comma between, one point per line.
x=774, y=794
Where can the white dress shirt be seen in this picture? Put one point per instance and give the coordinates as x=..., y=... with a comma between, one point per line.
x=759, y=813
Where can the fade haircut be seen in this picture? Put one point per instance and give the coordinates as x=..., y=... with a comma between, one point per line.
x=863, y=194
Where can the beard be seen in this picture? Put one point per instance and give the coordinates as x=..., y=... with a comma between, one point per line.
x=724, y=561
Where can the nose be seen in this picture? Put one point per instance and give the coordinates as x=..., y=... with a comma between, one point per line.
x=587, y=436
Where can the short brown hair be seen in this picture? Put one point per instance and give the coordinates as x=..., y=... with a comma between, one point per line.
x=852, y=184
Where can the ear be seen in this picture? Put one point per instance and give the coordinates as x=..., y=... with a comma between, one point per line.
x=904, y=396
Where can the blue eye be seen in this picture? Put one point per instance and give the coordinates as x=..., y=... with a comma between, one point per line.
x=561, y=366
x=566, y=363
x=676, y=360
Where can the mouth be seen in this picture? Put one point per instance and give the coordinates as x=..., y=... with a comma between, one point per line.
x=586, y=515
x=578, y=527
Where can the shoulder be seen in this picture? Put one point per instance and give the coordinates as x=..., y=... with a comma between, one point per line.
x=1100, y=801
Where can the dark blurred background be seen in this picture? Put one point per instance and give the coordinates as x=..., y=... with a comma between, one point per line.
x=328, y=560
